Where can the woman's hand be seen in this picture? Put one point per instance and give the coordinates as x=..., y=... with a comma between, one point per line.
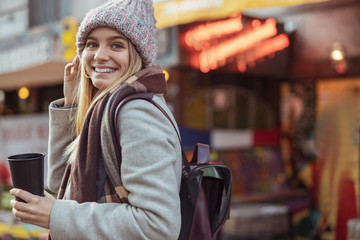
x=36, y=210
x=70, y=77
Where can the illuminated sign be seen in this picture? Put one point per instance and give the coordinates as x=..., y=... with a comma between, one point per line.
x=264, y=49
x=198, y=35
x=246, y=44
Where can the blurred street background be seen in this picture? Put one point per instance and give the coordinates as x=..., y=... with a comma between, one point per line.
x=273, y=86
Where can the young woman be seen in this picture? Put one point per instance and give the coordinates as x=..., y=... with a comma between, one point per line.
x=111, y=186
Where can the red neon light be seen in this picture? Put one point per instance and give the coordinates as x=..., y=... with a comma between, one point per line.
x=266, y=48
x=272, y=45
x=197, y=36
x=256, y=23
x=210, y=58
x=241, y=66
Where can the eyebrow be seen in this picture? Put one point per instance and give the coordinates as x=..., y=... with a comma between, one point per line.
x=109, y=38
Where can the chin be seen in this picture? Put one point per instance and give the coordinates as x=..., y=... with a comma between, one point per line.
x=100, y=85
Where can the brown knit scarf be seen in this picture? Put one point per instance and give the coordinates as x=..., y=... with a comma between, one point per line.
x=97, y=125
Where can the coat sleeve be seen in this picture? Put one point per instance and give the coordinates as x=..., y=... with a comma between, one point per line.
x=150, y=171
x=60, y=135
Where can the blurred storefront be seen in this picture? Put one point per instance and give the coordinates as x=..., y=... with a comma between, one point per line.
x=225, y=92
x=258, y=86
x=230, y=95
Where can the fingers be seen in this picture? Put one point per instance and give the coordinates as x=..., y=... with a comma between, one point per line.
x=72, y=67
x=76, y=62
x=19, y=206
x=18, y=209
x=68, y=68
x=24, y=195
x=35, y=211
x=22, y=212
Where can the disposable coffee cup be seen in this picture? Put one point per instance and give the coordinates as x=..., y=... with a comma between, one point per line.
x=27, y=172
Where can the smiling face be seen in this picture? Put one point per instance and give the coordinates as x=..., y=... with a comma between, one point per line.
x=105, y=56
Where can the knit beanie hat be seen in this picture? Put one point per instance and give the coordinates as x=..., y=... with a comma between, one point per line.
x=133, y=18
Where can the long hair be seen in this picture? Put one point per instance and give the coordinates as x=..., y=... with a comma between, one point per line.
x=87, y=95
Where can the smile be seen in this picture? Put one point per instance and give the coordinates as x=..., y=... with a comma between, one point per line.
x=104, y=70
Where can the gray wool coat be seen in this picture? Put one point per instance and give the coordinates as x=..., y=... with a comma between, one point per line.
x=151, y=173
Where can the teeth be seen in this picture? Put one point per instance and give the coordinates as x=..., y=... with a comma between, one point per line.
x=104, y=70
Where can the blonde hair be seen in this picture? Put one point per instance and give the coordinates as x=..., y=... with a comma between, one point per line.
x=87, y=95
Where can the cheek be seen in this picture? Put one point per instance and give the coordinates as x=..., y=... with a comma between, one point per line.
x=87, y=58
x=123, y=59
x=126, y=63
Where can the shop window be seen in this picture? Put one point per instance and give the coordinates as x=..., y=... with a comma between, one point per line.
x=47, y=11
x=228, y=107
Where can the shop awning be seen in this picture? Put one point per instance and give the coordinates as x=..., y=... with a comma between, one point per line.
x=174, y=12
x=46, y=74
x=31, y=60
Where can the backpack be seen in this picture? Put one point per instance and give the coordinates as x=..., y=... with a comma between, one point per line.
x=205, y=191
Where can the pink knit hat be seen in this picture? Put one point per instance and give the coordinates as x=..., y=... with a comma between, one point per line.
x=133, y=18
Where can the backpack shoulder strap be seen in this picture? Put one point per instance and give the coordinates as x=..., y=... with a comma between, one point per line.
x=149, y=97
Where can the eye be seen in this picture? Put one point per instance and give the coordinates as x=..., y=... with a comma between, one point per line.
x=91, y=44
x=117, y=45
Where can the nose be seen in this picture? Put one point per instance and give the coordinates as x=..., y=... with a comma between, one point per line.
x=101, y=54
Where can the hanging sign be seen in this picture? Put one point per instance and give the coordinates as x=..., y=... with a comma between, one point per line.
x=216, y=43
x=174, y=12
